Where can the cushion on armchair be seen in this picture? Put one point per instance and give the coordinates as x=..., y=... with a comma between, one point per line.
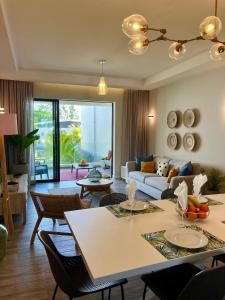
x=186, y=169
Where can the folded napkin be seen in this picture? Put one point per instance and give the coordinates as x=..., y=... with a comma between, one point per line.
x=198, y=182
x=131, y=188
x=182, y=193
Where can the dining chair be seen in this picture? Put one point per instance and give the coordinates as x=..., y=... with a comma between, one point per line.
x=54, y=206
x=220, y=257
x=113, y=198
x=70, y=273
x=185, y=282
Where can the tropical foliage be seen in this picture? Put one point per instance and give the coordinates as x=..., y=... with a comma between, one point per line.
x=22, y=142
x=216, y=181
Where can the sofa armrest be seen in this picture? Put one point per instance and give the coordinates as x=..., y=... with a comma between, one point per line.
x=175, y=181
x=130, y=166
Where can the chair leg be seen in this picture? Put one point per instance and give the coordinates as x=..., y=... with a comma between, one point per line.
x=53, y=220
x=56, y=287
x=35, y=230
x=122, y=292
x=144, y=293
x=109, y=295
x=102, y=295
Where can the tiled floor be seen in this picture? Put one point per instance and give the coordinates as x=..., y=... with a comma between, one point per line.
x=25, y=274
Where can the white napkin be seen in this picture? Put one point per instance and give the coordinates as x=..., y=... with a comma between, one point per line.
x=198, y=182
x=182, y=193
x=131, y=188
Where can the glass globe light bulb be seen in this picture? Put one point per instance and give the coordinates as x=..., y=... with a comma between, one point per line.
x=217, y=51
x=135, y=25
x=210, y=28
x=177, y=50
x=138, y=45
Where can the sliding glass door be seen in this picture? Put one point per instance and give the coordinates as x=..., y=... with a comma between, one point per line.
x=46, y=149
x=72, y=132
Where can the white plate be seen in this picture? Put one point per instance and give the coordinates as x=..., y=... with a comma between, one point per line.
x=186, y=238
x=138, y=205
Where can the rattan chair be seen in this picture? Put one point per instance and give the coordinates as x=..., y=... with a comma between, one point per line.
x=70, y=272
x=111, y=199
x=54, y=206
x=185, y=282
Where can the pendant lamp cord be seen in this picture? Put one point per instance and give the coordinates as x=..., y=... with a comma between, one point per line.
x=216, y=8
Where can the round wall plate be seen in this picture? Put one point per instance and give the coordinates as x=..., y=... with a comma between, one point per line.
x=172, y=141
x=189, y=141
x=172, y=119
x=189, y=118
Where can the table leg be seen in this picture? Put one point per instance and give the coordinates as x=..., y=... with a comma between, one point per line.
x=82, y=192
x=76, y=173
x=72, y=168
x=24, y=211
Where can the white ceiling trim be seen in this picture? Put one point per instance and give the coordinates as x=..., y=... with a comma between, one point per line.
x=9, y=35
x=194, y=65
x=70, y=78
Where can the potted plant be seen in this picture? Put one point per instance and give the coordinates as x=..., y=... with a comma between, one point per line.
x=21, y=143
x=216, y=181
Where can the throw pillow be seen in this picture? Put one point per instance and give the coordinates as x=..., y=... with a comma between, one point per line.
x=172, y=173
x=186, y=169
x=163, y=168
x=139, y=159
x=148, y=166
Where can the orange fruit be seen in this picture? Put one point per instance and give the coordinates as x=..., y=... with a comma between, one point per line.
x=202, y=215
x=204, y=207
x=192, y=215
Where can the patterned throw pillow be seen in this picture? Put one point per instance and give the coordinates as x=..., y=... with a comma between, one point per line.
x=172, y=173
x=163, y=168
x=148, y=166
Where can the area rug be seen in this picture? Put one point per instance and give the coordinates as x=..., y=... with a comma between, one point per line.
x=66, y=175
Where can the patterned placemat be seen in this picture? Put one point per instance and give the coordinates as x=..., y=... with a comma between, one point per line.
x=120, y=212
x=210, y=201
x=157, y=240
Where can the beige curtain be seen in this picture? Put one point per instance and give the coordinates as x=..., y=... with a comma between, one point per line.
x=135, y=130
x=15, y=96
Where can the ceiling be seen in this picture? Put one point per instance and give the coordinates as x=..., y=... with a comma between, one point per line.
x=63, y=40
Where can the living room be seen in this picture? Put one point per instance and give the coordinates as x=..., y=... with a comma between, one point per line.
x=74, y=220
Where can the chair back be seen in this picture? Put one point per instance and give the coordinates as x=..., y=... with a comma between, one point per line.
x=58, y=269
x=208, y=285
x=111, y=199
x=55, y=205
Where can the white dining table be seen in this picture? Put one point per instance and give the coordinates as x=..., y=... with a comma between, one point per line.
x=113, y=248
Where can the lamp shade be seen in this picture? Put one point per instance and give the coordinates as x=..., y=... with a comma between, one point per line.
x=8, y=124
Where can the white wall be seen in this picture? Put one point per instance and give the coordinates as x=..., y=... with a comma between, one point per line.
x=204, y=92
x=83, y=93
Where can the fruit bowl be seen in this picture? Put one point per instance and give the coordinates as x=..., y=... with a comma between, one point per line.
x=195, y=210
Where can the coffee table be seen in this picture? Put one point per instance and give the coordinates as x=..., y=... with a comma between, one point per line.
x=87, y=186
x=77, y=167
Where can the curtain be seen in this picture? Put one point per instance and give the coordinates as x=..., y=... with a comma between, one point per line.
x=135, y=130
x=17, y=97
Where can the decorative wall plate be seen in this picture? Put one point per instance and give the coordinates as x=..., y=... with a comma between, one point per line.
x=189, y=118
x=172, y=119
x=172, y=141
x=189, y=141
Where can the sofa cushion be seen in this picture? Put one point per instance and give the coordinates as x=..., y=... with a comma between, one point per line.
x=158, y=159
x=140, y=176
x=177, y=163
x=139, y=159
x=163, y=168
x=159, y=183
x=148, y=166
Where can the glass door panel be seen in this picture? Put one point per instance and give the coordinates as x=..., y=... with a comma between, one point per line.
x=46, y=148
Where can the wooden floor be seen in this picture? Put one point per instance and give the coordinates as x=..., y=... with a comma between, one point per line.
x=25, y=274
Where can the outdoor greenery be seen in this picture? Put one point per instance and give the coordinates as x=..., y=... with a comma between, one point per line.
x=22, y=142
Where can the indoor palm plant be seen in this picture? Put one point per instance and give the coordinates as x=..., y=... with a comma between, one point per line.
x=20, y=143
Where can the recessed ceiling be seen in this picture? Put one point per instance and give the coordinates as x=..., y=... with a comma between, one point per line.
x=68, y=36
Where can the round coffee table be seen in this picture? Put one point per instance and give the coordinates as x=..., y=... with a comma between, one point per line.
x=87, y=186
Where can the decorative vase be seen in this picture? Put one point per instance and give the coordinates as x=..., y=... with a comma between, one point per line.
x=3, y=241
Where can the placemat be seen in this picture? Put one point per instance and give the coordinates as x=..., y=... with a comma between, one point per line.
x=157, y=240
x=210, y=201
x=119, y=212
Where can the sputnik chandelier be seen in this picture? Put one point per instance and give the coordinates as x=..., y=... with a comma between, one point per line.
x=136, y=28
